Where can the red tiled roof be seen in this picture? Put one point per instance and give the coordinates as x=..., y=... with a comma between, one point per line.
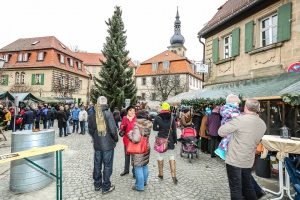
x=229, y=8
x=164, y=56
x=178, y=65
x=93, y=59
x=50, y=45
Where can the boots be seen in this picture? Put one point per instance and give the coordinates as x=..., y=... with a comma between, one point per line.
x=160, y=169
x=173, y=171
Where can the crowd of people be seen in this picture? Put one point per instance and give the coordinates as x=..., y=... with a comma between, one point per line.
x=234, y=133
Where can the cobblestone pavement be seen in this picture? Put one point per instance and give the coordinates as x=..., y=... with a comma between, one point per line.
x=204, y=178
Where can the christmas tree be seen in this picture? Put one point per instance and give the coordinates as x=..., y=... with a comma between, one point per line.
x=115, y=80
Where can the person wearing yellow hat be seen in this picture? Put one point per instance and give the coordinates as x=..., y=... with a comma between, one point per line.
x=164, y=123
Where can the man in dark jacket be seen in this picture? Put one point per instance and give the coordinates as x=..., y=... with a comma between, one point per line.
x=103, y=129
x=50, y=117
x=44, y=116
x=68, y=114
x=28, y=118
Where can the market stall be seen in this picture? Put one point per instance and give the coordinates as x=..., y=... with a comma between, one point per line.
x=6, y=98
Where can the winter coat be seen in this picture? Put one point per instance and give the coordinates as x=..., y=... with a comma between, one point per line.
x=75, y=113
x=7, y=117
x=213, y=122
x=60, y=116
x=38, y=115
x=140, y=160
x=197, y=119
x=50, y=114
x=129, y=127
x=184, y=121
x=2, y=115
x=68, y=114
x=28, y=117
x=203, y=127
x=44, y=114
x=83, y=116
x=116, y=115
x=103, y=142
x=228, y=111
x=162, y=123
x=123, y=113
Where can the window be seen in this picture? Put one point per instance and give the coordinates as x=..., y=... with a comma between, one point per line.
x=227, y=46
x=268, y=30
x=23, y=78
x=143, y=96
x=190, y=80
x=154, y=66
x=166, y=64
x=72, y=83
x=79, y=65
x=177, y=80
x=20, y=56
x=41, y=56
x=62, y=81
x=153, y=96
x=71, y=62
x=153, y=80
x=6, y=57
x=17, y=78
x=197, y=83
x=80, y=84
x=143, y=81
x=94, y=69
x=62, y=59
x=38, y=79
x=2, y=80
x=194, y=81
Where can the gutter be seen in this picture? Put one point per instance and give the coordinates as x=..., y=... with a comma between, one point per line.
x=203, y=56
x=226, y=19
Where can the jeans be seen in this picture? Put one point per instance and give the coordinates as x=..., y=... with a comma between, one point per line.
x=240, y=183
x=45, y=124
x=75, y=123
x=87, y=127
x=61, y=131
x=68, y=126
x=141, y=176
x=28, y=127
x=117, y=124
x=106, y=158
x=257, y=188
x=82, y=127
x=49, y=123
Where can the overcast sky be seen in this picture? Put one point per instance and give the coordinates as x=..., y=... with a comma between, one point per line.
x=149, y=24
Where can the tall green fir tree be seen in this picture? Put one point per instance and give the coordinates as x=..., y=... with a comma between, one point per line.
x=115, y=80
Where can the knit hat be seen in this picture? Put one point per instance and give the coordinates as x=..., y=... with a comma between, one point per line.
x=216, y=109
x=207, y=111
x=232, y=99
x=165, y=106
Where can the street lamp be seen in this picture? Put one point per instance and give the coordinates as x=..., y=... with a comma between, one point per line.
x=40, y=91
x=2, y=61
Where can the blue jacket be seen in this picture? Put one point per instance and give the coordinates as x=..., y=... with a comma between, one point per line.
x=38, y=115
x=28, y=117
x=75, y=113
x=44, y=113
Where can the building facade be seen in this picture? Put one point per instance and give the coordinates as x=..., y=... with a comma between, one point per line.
x=46, y=67
x=250, y=39
x=168, y=73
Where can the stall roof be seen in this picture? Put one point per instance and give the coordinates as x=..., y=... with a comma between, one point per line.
x=49, y=99
x=24, y=97
x=253, y=88
x=4, y=94
x=67, y=100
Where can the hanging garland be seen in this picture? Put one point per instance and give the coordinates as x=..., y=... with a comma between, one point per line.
x=207, y=101
x=292, y=99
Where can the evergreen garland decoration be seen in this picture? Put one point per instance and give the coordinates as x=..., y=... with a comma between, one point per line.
x=292, y=99
x=116, y=82
x=208, y=101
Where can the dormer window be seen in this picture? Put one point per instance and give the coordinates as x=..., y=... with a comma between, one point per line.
x=79, y=65
x=6, y=57
x=34, y=43
x=166, y=65
x=23, y=57
x=40, y=56
x=62, y=59
x=154, y=66
x=71, y=62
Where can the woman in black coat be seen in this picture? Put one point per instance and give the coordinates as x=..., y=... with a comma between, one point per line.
x=62, y=121
x=162, y=123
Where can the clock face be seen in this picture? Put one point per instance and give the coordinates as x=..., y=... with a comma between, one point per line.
x=294, y=67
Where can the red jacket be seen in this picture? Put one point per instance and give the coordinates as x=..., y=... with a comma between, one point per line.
x=130, y=125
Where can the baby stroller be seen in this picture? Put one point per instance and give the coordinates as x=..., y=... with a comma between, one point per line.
x=189, y=145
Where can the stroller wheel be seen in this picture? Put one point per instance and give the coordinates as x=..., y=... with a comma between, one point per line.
x=190, y=157
x=181, y=151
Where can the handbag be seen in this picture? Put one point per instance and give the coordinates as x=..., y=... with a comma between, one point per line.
x=259, y=148
x=207, y=133
x=19, y=121
x=138, y=148
x=161, y=144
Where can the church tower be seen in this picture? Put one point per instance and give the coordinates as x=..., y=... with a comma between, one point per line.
x=177, y=40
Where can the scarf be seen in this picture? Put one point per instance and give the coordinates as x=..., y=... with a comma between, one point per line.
x=100, y=121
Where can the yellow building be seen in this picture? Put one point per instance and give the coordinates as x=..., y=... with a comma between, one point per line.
x=45, y=65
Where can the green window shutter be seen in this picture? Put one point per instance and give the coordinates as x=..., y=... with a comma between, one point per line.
x=284, y=23
x=74, y=100
x=249, y=36
x=216, y=50
x=6, y=79
x=32, y=79
x=42, y=81
x=235, y=49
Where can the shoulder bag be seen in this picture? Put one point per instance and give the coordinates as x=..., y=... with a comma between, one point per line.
x=207, y=132
x=138, y=148
x=161, y=144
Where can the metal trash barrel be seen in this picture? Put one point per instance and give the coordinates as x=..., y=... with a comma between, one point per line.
x=24, y=177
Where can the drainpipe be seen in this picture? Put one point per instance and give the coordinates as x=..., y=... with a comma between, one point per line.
x=203, y=57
